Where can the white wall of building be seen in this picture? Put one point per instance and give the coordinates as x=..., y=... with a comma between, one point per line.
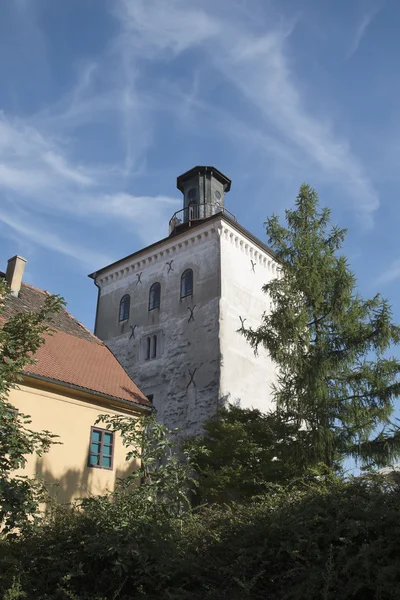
x=226, y=286
x=245, y=268
x=187, y=347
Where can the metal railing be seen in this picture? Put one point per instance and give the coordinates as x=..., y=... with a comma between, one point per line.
x=197, y=212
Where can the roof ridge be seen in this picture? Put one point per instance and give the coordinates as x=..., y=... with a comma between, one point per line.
x=33, y=287
x=85, y=328
x=76, y=335
x=119, y=362
x=71, y=354
x=47, y=293
x=89, y=389
x=79, y=362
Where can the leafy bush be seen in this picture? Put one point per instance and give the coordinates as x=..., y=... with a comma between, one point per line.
x=241, y=452
x=328, y=541
x=325, y=541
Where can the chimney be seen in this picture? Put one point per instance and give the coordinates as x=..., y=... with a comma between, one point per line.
x=15, y=270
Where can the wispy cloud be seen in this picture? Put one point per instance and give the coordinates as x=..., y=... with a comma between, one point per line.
x=22, y=180
x=60, y=167
x=174, y=27
x=29, y=159
x=40, y=235
x=361, y=30
x=259, y=68
x=146, y=216
x=257, y=65
x=390, y=274
x=39, y=178
x=39, y=167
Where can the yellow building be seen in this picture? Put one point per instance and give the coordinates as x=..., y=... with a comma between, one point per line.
x=75, y=378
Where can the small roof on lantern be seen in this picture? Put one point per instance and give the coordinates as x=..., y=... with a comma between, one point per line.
x=202, y=170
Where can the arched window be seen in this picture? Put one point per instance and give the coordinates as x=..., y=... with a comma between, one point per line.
x=155, y=296
x=187, y=283
x=124, y=307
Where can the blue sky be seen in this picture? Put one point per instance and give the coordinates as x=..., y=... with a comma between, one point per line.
x=104, y=103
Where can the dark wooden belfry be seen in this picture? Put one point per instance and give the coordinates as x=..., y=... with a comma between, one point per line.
x=203, y=190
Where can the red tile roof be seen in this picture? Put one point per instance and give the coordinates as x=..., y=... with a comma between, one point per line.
x=73, y=355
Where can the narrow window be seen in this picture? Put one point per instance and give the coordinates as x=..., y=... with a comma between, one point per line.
x=192, y=193
x=187, y=283
x=124, y=307
x=101, y=448
x=155, y=296
x=148, y=344
x=193, y=210
x=154, y=347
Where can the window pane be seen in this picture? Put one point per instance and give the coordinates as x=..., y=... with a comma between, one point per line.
x=106, y=462
x=154, y=347
x=95, y=460
x=187, y=283
x=96, y=435
x=108, y=438
x=95, y=448
x=11, y=413
x=107, y=450
x=124, y=308
x=154, y=296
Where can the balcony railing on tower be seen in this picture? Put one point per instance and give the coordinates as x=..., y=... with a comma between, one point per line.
x=196, y=212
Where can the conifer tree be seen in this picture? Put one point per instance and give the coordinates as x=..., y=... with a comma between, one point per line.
x=331, y=347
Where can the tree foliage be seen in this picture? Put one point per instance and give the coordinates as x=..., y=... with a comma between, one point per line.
x=242, y=453
x=322, y=541
x=162, y=482
x=331, y=347
x=112, y=545
x=20, y=337
x=293, y=535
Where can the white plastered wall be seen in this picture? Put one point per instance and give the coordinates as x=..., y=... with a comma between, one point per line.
x=189, y=346
x=245, y=268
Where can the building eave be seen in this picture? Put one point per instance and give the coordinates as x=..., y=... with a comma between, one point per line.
x=203, y=169
x=250, y=236
x=87, y=393
x=221, y=215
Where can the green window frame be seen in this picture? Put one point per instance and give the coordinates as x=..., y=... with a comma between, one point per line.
x=11, y=412
x=101, y=448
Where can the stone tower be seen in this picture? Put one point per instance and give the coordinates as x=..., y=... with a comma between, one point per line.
x=171, y=312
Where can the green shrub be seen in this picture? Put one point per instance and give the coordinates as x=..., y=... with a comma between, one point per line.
x=322, y=541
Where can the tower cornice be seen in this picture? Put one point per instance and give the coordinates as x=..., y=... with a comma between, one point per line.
x=217, y=225
x=157, y=252
x=203, y=170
